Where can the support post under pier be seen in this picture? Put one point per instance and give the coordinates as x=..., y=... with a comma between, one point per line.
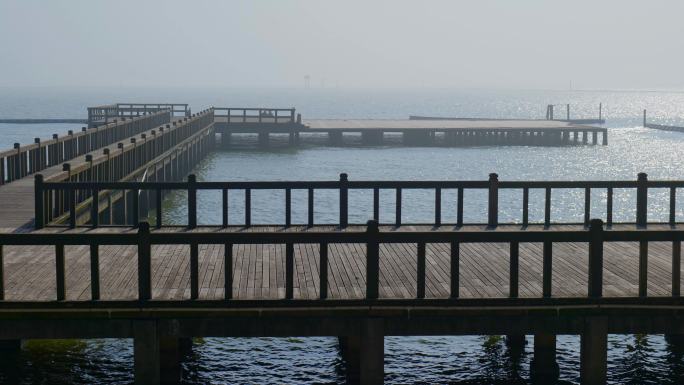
x=594, y=352
x=294, y=139
x=263, y=139
x=157, y=358
x=171, y=352
x=335, y=138
x=544, y=368
x=225, y=139
x=516, y=346
x=146, y=353
x=372, y=138
x=365, y=353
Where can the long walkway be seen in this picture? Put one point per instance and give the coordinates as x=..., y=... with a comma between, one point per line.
x=259, y=270
x=17, y=206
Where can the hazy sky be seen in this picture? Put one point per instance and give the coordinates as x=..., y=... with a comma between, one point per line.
x=623, y=44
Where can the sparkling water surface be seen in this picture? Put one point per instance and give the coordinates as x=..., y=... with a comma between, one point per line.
x=408, y=360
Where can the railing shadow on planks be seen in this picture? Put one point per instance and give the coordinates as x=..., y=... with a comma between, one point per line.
x=60, y=200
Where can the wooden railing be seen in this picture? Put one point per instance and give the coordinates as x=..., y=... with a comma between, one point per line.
x=491, y=187
x=136, y=109
x=663, y=127
x=30, y=159
x=257, y=115
x=595, y=236
x=104, y=114
x=129, y=160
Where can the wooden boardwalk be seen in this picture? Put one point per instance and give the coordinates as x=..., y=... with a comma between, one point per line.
x=259, y=270
x=18, y=205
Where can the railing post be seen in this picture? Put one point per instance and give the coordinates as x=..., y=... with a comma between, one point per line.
x=18, y=171
x=2, y=273
x=323, y=270
x=228, y=269
x=194, y=270
x=438, y=206
x=144, y=262
x=420, y=271
x=642, y=200
x=192, y=201
x=288, y=207
x=39, y=221
x=71, y=197
x=343, y=201
x=644, y=118
x=289, y=271
x=595, y=258
x=60, y=272
x=493, y=210
x=372, y=260
x=94, y=271
x=310, y=205
x=514, y=270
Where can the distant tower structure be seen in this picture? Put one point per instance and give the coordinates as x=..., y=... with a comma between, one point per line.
x=307, y=81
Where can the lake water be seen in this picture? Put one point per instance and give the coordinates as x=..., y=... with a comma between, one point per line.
x=468, y=359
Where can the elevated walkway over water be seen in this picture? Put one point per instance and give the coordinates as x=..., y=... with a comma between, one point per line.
x=79, y=259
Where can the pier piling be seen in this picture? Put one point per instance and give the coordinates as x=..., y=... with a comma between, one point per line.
x=372, y=353
x=544, y=368
x=516, y=346
x=147, y=363
x=171, y=353
x=364, y=353
x=594, y=352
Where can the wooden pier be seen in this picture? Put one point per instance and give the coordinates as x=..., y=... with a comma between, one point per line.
x=662, y=127
x=270, y=124
x=86, y=252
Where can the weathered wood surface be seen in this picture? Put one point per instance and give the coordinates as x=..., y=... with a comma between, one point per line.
x=259, y=270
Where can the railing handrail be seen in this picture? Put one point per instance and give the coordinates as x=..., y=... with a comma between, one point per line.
x=125, y=237
x=365, y=184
